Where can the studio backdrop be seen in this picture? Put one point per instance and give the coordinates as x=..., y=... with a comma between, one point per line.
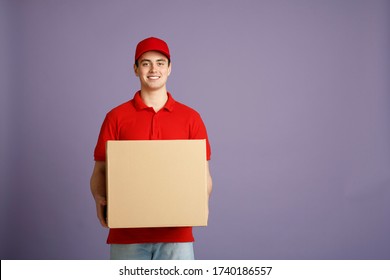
x=295, y=96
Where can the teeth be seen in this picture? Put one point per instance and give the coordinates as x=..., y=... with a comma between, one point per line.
x=153, y=77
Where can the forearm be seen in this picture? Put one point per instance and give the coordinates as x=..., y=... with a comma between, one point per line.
x=98, y=186
x=98, y=180
x=98, y=190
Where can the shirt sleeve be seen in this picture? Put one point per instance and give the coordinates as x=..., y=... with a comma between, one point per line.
x=199, y=131
x=107, y=132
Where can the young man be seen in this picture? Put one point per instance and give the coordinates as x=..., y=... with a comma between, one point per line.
x=152, y=114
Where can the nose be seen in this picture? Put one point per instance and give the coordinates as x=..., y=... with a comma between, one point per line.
x=152, y=67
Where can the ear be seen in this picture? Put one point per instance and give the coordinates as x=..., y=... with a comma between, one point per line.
x=136, y=70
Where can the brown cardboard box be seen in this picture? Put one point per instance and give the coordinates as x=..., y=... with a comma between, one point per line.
x=156, y=183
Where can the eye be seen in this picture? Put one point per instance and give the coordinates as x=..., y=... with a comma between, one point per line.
x=145, y=64
x=161, y=63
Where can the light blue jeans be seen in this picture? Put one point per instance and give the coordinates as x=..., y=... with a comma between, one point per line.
x=152, y=251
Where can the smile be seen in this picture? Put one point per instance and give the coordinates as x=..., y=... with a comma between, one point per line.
x=153, y=77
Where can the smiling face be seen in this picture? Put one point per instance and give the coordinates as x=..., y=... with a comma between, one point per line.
x=153, y=70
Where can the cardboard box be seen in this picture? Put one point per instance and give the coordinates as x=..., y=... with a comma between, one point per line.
x=156, y=183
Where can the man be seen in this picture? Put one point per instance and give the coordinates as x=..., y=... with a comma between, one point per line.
x=152, y=114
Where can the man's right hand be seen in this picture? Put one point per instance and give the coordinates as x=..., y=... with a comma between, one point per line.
x=98, y=189
x=101, y=210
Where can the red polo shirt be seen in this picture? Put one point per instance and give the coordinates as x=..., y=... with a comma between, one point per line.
x=133, y=120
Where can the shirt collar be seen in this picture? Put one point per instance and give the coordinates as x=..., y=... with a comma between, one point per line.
x=140, y=105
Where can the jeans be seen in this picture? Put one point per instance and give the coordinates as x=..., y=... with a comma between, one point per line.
x=152, y=251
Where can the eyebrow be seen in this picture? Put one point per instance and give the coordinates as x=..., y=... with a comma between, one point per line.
x=158, y=60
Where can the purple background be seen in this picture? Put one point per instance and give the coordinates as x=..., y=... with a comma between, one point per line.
x=295, y=96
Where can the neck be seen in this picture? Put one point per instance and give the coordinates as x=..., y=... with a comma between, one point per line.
x=155, y=99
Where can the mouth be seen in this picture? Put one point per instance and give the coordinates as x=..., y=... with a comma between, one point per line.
x=153, y=77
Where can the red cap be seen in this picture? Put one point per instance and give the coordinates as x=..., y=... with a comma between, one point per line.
x=152, y=44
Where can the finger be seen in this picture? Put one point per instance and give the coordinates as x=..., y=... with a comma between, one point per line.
x=102, y=215
x=104, y=223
